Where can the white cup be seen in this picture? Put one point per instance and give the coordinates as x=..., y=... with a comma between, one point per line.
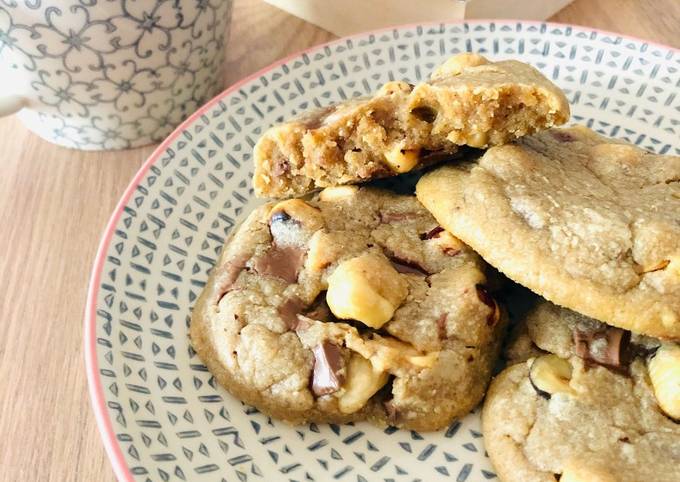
x=109, y=74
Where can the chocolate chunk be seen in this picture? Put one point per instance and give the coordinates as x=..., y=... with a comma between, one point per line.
x=319, y=309
x=435, y=157
x=280, y=167
x=391, y=411
x=390, y=217
x=230, y=272
x=608, y=347
x=289, y=311
x=488, y=300
x=303, y=323
x=441, y=326
x=407, y=266
x=563, y=136
x=328, y=363
x=425, y=113
x=636, y=350
x=281, y=261
x=433, y=233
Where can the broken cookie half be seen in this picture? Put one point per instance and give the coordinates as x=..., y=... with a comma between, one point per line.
x=468, y=101
x=351, y=304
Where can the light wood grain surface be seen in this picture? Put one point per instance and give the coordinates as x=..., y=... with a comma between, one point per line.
x=55, y=203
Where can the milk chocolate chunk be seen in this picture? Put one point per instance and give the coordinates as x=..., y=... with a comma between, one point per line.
x=289, y=311
x=608, y=347
x=391, y=411
x=396, y=216
x=319, y=309
x=441, y=326
x=281, y=261
x=303, y=324
x=280, y=167
x=563, y=136
x=231, y=271
x=327, y=377
x=433, y=233
x=407, y=266
x=487, y=299
x=436, y=157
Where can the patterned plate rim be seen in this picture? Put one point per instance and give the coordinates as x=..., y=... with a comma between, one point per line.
x=95, y=388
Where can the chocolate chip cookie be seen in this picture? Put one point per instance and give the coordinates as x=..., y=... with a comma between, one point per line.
x=587, y=222
x=598, y=404
x=467, y=101
x=350, y=304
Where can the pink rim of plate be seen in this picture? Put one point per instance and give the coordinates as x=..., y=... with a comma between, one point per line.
x=113, y=450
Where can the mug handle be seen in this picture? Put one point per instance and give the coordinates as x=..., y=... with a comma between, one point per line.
x=9, y=104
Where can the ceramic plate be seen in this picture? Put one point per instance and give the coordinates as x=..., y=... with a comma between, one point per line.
x=161, y=415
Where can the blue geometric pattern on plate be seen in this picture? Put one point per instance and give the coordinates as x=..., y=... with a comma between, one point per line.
x=170, y=419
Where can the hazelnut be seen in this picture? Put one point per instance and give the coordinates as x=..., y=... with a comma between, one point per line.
x=296, y=211
x=478, y=139
x=361, y=383
x=664, y=372
x=392, y=353
x=338, y=193
x=366, y=288
x=448, y=243
x=320, y=252
x=550, y=374
x=456, y=64
x=578, y=471
x=402, y=160
x=395, y=86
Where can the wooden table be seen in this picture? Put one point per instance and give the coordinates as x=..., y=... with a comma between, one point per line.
x=55, y=203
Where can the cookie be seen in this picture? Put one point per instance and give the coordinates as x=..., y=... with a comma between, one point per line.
x=595, y=404
x=351, y=304
x=467, y=101
x=587, y=222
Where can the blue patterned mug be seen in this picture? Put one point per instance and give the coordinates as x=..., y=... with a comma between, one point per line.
x=109, y=74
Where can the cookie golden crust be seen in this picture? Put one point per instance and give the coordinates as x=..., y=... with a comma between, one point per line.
x=353, y=304
x=602, y=426
x=467, y=101
x=587, y=222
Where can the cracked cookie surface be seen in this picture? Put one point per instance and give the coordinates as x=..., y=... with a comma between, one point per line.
x=351, y=304
x=587, y=222
x=608, y=417
x=468, y=100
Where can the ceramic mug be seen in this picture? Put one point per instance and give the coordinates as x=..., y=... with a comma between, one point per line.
x=109, y=74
